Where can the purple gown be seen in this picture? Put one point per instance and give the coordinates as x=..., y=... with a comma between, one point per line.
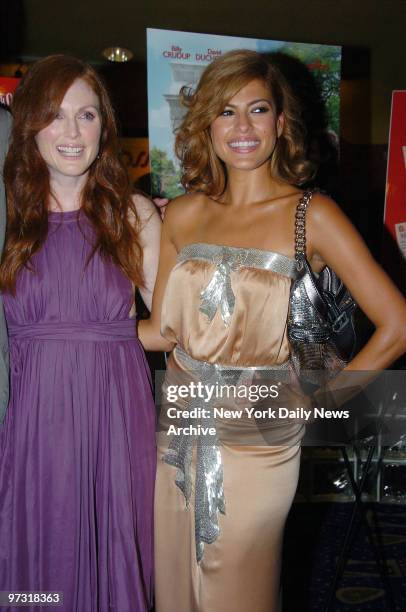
x=77, y=448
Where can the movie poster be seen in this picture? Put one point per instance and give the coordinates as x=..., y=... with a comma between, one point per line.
x=175, y=59
x=395, y=201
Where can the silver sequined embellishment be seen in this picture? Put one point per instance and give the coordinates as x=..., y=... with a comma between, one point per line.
x=218, y=294
x=209, y=486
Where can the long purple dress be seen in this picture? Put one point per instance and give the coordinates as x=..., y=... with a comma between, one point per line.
x=77, y=448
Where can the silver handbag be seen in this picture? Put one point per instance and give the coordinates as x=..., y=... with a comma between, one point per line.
x=320, y=321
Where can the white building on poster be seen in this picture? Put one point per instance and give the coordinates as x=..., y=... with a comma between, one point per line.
x=183, y=75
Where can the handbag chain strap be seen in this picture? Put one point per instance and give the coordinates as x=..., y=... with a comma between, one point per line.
x=300, y=228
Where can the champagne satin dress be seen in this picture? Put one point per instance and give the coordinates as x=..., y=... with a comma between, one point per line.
x=226, y=308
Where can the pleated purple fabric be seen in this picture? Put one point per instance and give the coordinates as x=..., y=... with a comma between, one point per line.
x=77, y=448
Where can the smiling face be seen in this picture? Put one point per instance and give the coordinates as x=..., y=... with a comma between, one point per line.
x=244, y=135
x=70, y=143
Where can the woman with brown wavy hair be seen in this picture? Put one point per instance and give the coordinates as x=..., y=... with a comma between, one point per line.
x=77, y=460
x=222, y=297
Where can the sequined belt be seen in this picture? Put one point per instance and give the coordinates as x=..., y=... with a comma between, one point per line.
x=209, y=486
x=76, y=330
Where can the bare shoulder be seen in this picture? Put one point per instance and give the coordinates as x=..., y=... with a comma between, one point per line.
x=184, y=210
x=144, y=206
x=149, y=219
x=328, y=227
x=185, y=204
x=322, y=208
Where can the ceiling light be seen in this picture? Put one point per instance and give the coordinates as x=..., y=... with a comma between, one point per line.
x=117, y=54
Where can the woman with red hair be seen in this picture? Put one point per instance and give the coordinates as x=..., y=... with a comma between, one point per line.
x=77, y=447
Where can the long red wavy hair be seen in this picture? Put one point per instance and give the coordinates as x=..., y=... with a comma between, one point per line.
x=106, y=197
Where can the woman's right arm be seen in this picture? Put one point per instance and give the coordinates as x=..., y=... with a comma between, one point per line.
x=149, y=330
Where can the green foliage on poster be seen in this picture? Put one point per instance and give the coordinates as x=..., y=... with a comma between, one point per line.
x=165, y=177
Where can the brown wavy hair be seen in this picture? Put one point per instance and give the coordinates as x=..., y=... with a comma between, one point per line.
x=106, y=196
x=202, y=169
